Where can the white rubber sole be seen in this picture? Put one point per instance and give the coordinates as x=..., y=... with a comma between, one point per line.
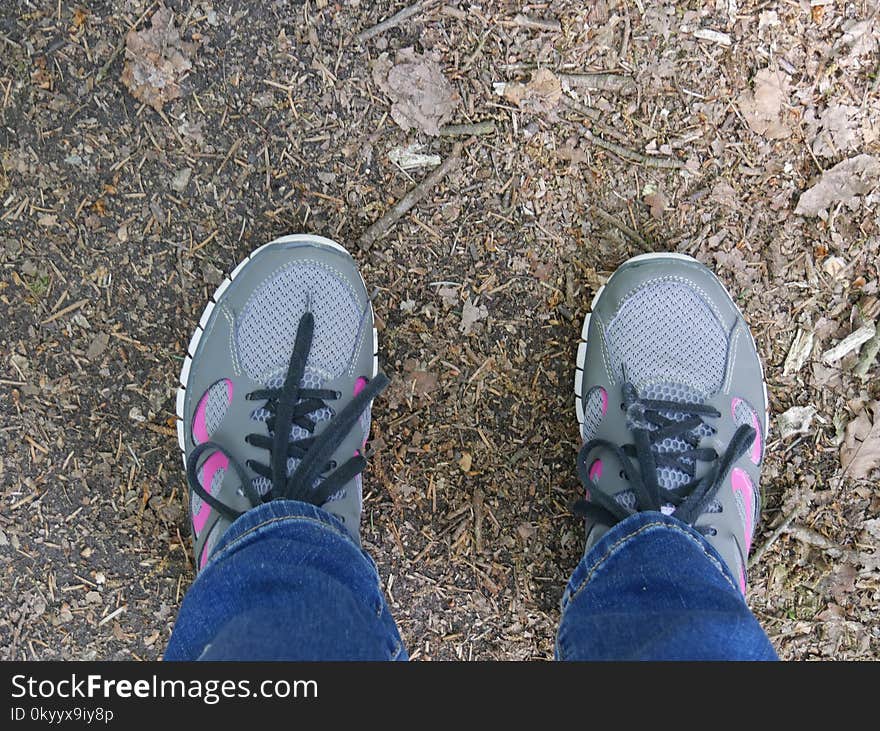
x=183, y=378
x=585, y=328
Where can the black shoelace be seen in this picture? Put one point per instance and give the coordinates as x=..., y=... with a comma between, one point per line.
x=690, y=500
x=287, y=406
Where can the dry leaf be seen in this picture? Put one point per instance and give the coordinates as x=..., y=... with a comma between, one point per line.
x=859, y=35
x=466, y=462
x=842, y=581
x=421, y=96
x=797, y=420
x=541, y=95
x=449, y=295
x=860, y=451
x=418, y=382
x=799, y=352
x=763, y=106
x=656, y=203
x=470, y=314
x=156, y=59
x=842, y=183
x=840, y=131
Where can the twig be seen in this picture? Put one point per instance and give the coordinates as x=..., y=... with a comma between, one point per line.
x=478, y=519
x=621, y=226
x=773, y=537
x=232, y=150
x=394, y=20
x=65, y=311
x=816, y=539
x=9, y=41
x=527, y=21
x=115, y=613
x=668, y=163
x=384, y=224
x=601, y=82
x=480, y=128
x=624, y=42
x=105, y=69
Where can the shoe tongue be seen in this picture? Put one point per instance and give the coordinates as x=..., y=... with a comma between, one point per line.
x=311, y=379
x=668, y=477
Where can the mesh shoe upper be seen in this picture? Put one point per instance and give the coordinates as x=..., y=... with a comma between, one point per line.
x=666, y=333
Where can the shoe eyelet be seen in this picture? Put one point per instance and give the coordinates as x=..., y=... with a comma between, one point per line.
x=338, y=394
x=623, y=475
x=622, y=406
x=331, y=465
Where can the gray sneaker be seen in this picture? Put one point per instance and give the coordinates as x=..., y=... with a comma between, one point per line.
x=671, y=400
x=276, y=388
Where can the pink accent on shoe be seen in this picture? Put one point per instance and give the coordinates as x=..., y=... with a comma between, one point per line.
x=359, y=385
x=742, y=581
x=741, y=483
x=200, y=426
x=604, y=401
x=755, y=455
x=216, y=461
x=596, y=470
x=200, y=421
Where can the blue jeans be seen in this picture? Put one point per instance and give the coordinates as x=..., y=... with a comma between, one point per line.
x=286, y=582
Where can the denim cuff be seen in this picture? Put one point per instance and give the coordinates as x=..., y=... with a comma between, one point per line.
x=277, y=512
x=631, y=529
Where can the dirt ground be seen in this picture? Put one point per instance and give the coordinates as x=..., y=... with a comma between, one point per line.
x=136, y=172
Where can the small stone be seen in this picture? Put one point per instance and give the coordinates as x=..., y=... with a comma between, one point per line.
x=181, y=179
x=93, y=597
x=98, y=346
x=211, y=274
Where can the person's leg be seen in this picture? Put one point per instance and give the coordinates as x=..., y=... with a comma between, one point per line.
x=672, y=407
x=286, y=582
x=273, y=417
x=653, y=589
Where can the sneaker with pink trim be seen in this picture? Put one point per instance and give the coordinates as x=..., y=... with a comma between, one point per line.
x=276, y=388
x=672, y=405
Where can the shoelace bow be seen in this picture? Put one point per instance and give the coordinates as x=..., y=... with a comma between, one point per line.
x=690, y=500
x=291, y=405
